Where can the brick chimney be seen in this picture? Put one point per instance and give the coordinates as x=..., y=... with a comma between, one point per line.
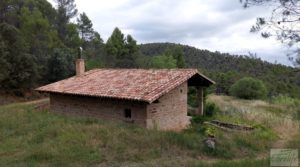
x=80, y=68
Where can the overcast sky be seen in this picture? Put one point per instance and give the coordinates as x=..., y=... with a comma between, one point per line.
x=216, y=25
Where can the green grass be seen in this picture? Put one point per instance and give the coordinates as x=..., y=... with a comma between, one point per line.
x=41, y=138
x=286, y=100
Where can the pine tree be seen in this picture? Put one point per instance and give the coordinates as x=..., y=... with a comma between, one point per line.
x=115, y=44
x=178, y=55
x=121, y=52
x=85, y=27
x=66, y=9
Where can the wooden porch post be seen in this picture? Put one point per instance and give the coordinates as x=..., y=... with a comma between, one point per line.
x=200, y=100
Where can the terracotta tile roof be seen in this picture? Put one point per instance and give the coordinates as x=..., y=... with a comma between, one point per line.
x=133, y=84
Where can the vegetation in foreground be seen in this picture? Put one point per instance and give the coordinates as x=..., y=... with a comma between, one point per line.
x=33, y=137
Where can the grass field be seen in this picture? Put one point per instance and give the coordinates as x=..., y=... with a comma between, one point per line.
x=31, y=136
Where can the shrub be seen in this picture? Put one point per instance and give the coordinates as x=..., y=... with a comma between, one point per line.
x=210, y=109
x=248, y=88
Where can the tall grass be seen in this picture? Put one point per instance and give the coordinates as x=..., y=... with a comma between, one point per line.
x=286, y=100
x=29, y=137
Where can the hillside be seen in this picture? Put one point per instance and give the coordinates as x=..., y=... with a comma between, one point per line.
x=39, y=45
x=32, y=136
x=226, y=68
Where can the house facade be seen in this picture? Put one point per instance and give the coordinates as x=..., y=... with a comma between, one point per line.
x=149, y=98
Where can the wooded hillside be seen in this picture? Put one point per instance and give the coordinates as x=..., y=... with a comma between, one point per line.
x=39, y=44
x=225, y=68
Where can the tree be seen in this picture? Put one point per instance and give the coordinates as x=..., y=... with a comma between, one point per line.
x=36, y=30
x=95, y=47
x=283, y=23
x=85, y=27
x=249, y=88
x=163, y=61
x=179, y=56
x=224, y=81
x=72, y=39
x=97, y=40
x=177, y=53
x=121, y=51
x=91, y=41
x=66, y=9
x=61, y=64
x=4, y=64
x=115, y=44
x=131, y=45
x=20, y=67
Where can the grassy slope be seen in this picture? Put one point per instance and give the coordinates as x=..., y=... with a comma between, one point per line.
x=30, y=137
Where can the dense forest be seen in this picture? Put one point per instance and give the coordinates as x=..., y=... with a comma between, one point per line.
x=226, y=69
x=39, y=44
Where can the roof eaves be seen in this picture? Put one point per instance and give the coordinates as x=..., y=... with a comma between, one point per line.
x=168, y=89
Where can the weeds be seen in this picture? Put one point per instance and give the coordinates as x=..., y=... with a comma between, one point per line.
x=41, y=138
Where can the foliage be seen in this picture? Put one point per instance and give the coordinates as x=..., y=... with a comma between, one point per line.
x=172, y=57
x=85, y=27
x=286, y=100
x=60, y=65
x=91, y=64
x=224, y=80
x=226, y=69
x=32, y=35
x=210, y=131
x=177, y=53
x=49, y=139
x=210, y=109
x=249, y=88
x=18, y=64
x=282, y=24
x=91, y=41
x=34, y=32
x=121, y=52
x=163, y=61
x=66, y=10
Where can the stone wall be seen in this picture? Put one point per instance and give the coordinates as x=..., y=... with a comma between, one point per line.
x=170, y=111
x=109, y=109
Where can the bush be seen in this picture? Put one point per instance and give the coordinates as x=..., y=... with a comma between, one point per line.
x=248, y=88
x=210, y=109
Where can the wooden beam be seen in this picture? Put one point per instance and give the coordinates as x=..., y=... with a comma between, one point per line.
x=199, y=100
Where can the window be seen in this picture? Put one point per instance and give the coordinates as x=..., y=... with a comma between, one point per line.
x=127, y=113
x=156, y=101
x=181, y=90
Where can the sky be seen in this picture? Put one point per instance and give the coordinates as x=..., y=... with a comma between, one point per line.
x=215, y=25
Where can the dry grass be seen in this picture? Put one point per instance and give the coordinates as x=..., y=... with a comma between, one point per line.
x=29, y=138
x=279, y=118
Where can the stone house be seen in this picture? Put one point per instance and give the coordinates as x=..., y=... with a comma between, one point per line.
x=150, y=98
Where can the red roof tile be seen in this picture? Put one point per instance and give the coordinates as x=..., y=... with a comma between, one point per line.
x=134, y=84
